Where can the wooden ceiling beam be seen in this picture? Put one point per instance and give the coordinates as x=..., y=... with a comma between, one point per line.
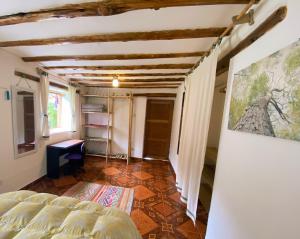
x=120, y=75
x=120, y=37
x=129, y=67
x=113, y=57
x=131, y=86
x=181, y=79
x=278, y=16
x=132, y=83
x=104, y=8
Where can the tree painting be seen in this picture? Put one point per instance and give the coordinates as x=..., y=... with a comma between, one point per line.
x=266, y=96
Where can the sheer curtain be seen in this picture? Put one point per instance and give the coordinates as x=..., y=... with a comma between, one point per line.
x=72, y=93
x=44, y=84
x=199, y=96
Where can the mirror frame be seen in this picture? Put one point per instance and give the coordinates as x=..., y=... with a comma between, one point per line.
x=15, y=90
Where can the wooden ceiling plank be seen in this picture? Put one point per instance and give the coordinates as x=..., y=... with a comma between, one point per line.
x=133, y=80
x=113, y=57
x=133, y=86
x=129, y=67
x=104, y=8
x=121, y=75
x=120, y=37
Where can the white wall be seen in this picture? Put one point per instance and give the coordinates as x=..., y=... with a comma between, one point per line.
x=256, y=192
x=17, y=173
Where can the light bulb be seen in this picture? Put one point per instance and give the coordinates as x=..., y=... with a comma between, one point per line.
x=115, y=82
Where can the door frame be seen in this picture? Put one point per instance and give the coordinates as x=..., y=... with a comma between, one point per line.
x=145, y=127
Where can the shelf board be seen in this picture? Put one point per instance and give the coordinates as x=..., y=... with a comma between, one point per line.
x=95, y=112
x=96, y=96
x=97, y=139
x=95, y=126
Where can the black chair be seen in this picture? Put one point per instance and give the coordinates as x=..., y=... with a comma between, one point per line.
x=76, y=160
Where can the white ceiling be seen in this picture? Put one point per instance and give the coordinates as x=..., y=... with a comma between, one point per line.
x=135, y=21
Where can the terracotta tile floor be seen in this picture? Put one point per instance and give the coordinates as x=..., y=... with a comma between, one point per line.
x=157, y=209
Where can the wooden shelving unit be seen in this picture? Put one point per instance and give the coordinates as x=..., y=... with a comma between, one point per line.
x=96, y=124
x=101, y=123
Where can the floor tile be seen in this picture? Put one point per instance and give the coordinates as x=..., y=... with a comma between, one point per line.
x=144, y=223
x=164, y=209
x=142, y=193
x=176, y=197
x=189, y=230
x=111, y=171
x=64, y=181
x=142, y=175
x=161, y=185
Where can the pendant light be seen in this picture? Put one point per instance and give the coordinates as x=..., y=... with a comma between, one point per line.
x=115, y=82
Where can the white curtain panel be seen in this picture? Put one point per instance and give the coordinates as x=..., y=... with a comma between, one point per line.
x=196, y=117
x=72, y=93
x=44, y=84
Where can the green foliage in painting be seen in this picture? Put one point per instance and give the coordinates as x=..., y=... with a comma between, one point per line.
x=293, y=129
x=293, y=61
x=259, y=88
x=237, y=109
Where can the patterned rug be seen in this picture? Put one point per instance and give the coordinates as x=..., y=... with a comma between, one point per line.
x=107, y=196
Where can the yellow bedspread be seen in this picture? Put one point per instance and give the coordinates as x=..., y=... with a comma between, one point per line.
x=31, y=215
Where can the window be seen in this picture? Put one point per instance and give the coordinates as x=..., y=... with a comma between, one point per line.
x=59, y=110
x=55, y=110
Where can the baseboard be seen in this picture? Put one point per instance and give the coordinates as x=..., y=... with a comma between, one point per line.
x=34, y=182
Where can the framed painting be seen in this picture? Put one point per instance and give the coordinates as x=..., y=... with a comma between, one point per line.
x=265, y=96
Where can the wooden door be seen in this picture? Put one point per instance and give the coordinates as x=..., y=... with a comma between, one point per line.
x=159, y=115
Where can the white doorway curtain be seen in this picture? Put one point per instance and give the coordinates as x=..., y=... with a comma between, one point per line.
x=44, y=84
x=196, y=117
x=72, y=93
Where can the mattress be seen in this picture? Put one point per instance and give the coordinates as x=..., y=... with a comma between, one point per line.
x=31, y=215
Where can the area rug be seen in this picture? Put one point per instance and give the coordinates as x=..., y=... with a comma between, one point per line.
x=105, y=195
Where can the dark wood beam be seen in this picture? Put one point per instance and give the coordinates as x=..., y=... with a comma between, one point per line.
x=120, y=37
x=160, y=95
x=27, y=76
x=132, y=80
x=113, y=57
x=131, y=86
x=120, y=75
x=132, y=83
x=37, y=79
x=104, y=8
x=277, y=17
x=63, y=87
x=129, y=67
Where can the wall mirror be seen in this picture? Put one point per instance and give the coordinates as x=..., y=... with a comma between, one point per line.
x=24, y=121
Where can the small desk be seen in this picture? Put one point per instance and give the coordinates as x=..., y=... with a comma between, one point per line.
x=54, y=151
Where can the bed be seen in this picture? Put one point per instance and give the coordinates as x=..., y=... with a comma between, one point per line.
x=31, y=215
